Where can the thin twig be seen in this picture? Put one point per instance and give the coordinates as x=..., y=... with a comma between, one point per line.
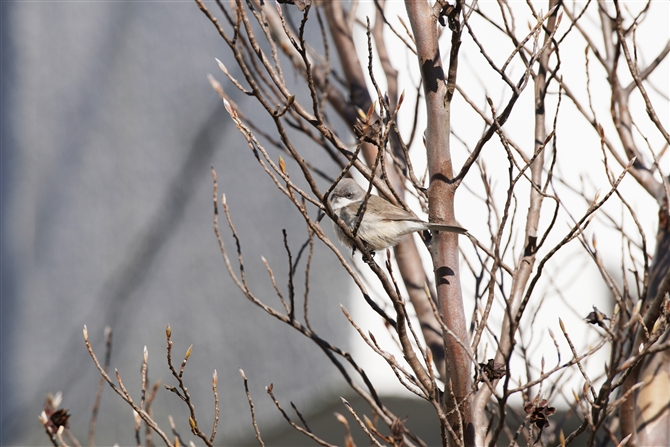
x=101, y=385
x=251, y=409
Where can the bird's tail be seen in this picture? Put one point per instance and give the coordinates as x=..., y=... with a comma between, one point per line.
x=447, y=228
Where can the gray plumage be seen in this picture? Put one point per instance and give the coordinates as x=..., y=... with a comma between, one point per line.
x=383, y=223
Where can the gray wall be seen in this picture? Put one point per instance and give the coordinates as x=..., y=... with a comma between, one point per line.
x=109, y=128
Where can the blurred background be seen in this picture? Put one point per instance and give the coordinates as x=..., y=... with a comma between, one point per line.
x=109, y=130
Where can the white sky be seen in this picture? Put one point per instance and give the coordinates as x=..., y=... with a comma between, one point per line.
x=580, y=162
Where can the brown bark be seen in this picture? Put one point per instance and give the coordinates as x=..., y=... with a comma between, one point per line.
x=646, y=413
x=444, y=248
x=406, y=252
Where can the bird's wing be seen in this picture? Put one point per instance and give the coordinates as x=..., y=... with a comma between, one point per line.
x=391, y=212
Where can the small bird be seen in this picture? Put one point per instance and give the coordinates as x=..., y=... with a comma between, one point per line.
x=383, y=223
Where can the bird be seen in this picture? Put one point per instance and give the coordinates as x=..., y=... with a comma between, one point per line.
x=383, y=224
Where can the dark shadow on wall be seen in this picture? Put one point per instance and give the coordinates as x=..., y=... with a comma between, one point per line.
x=7, y=155
x=132, y=272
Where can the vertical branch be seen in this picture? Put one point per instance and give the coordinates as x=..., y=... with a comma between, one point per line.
x=444, y=249
x=406, y=253
x=651, y=418
x=527, y=259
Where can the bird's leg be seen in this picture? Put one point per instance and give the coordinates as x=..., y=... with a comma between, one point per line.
x=367, y=248
x=368, y=254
